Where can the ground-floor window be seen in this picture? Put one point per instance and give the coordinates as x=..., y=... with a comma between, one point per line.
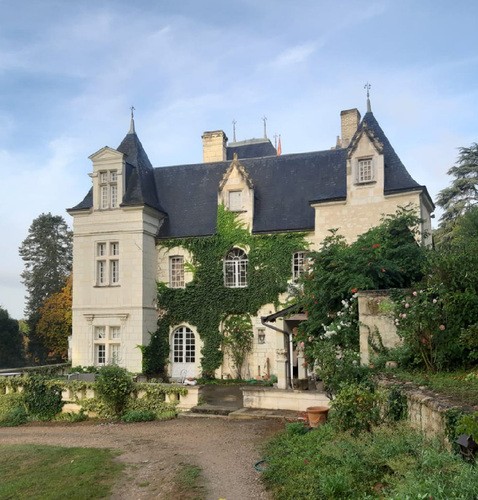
x=107, y=345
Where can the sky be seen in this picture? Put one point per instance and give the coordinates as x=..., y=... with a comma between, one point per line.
x=70, y=71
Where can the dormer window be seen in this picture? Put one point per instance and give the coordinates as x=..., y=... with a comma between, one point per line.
x=235, y=201
x=108, y=189
x=365, y=170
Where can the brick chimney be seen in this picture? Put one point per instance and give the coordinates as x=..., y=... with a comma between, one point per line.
x=214, y=146
x=349, y=120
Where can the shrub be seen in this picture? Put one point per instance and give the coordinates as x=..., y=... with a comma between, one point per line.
x=393, y=462
x=42, y=397
x=113, y=387
x=396, y=407
x=356, y=408
x=138, y=416
x=12, y=410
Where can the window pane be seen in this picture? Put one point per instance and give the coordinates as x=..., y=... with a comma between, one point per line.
x=176, y=272
x=113, y=176
x=114, y=354
x=115, y=332
x=365, y=173
x=103, y=177
x=114, y=195
x=104, y=197
x=298, y=264
x=101, y=249
x=114, y=248
x=114, y=269
x=101, y=272
x=100, y=354
x=100, y=332
x=235, y=268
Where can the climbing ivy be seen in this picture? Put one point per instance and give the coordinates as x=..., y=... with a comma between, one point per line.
x=205, y=302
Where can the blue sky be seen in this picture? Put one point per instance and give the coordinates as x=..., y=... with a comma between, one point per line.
x=69, y=71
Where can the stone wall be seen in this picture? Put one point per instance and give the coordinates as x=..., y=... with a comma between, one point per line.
x=376, y=322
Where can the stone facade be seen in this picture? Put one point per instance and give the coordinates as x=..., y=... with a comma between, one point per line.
x=118, y=255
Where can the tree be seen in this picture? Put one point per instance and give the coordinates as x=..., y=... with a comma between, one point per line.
x=238, y=339
x=462, y=194
x=47, y=253
x=11, y=341
x=54, y=326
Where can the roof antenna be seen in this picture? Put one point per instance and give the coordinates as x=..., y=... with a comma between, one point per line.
x=367, y=86
x=264, y=119
x=234, y=130
x=131, y=127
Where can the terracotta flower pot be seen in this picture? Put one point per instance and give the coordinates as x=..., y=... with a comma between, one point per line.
x=317, y=415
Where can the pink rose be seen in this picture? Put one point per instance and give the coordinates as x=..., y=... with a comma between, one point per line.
x=441, y=327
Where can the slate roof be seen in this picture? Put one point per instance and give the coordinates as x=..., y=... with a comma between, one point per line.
x=284, y=186
x=253, y=148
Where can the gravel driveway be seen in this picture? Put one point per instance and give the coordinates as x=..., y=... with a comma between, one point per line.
x=225, y=449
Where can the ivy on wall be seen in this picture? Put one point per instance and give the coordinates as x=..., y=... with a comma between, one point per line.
x=205, y=302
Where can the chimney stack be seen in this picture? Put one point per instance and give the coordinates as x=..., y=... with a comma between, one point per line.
x=214, y=146
x=349, y=120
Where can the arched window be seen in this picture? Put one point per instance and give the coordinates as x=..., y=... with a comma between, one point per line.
x=184, y=345
x=235, y=269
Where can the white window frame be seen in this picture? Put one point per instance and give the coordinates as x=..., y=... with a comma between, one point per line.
x=234, y=200
x=365, y=170
x=299, y=264
x=184, y=345
x=107, y=263
x=108, y=189
x=176, y=271
x=235, y=268
x=106, y=344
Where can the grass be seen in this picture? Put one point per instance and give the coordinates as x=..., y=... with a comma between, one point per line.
x=189, y=483
x=460, y=385
x=53, y=472
x=391, y=463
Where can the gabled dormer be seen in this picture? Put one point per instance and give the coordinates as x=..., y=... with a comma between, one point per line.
x=236, y=192
x=365, y=162
x=108, y=178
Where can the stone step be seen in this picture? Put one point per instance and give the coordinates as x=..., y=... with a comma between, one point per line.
x=208, y=409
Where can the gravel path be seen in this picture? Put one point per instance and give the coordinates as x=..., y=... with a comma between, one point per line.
x=226, y=451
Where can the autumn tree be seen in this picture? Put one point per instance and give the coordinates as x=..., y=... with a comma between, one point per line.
x=11, y=341
x=54, y=324
x=462, y=194
x=47, y=253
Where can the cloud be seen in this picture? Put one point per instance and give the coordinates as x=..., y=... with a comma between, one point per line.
x=294, y=55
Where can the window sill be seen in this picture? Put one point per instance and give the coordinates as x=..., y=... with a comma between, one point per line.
x=107, y=286
x=364, y=183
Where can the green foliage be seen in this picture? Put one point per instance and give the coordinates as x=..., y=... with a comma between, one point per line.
x=296, y=429
x=138, y=416
x=238, y=339
x=392, y=462
x=113, y=387
x=42, y=399
x=205, y=301
x=356, y=408
x=11, y=341
x=386, y=256
x=47, y=253
x=396, y=407
x=12, y=410
x=462, y=194
x=468, y=424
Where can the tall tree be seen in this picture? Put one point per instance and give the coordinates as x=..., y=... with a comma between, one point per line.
x=47, y=253
x=11, y=341
x=54, y=325
x=462, y=194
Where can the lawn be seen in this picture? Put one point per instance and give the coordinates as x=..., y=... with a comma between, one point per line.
x=52, y=472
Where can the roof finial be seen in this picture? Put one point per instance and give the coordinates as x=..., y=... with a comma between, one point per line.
x=367, y=86
x=234, y=130
x=131, y=127
x=264, y=119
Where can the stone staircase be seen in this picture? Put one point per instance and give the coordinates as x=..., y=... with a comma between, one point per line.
x=219, y=400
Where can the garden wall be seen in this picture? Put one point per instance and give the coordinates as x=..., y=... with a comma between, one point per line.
x=426, y=409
